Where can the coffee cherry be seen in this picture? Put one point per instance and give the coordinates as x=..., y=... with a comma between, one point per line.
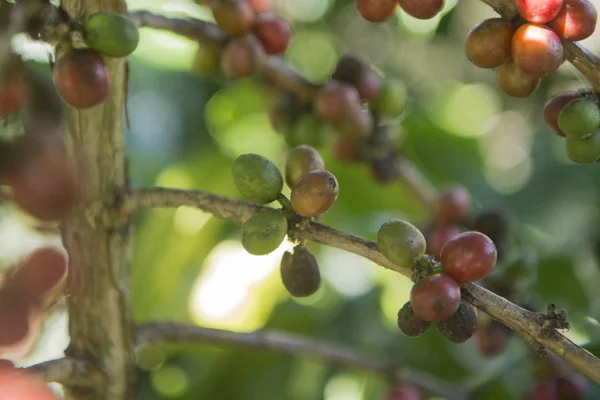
x=461, y=326
x=554, y=106
x=401, y=242
x=15, y=384
x=575, y=21
x=514, y=81
x=376, y=10
x=403, y=392
x=468, y=257
x=81, y=78
x=422, y=9
x=452, y=206
x=334, y=101
x=494, y=224
x=438, y=237
x=543, y=390
x=435, y=298
x=308, y=129
x=264, y=232
x=488, y=44
x=300, y=161
x=571, y=387
x=300, y=272
x=14, y=318
x=350, y=69
x=409, y=323
x=273, y=32
x=584, y=151
x=242, y=56
x=234, y=17
x=537, y=50
x=356, y=124
x=13, y=92
x=346, y=150
x=111, y=33
x=391, y=100
x=384, y=170
x=492, y=338
x=579, y=118
x=257, y=178
x=539, y=11
x=314, y=193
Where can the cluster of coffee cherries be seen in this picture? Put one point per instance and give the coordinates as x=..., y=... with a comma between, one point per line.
x=383, y=10
x=403, y=391
x=556, y=380
x=576, y=116
x=523, y=53
x=436, y=295
x=313, y=191
x=17, y=384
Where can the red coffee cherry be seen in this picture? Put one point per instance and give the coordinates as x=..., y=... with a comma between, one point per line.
x=514, y=81
x=438, y=237
x=539, y=11
x=376, y=10
x=435, y=298
x=468, y=257
x=273, y=32
x=13, y=92
x=488, y=44
x=492, y=338
x=452, y=206
x=350, y=69
x=422, y=9
x=81, y=78
x=335, y=100
x=554, y=106
x=575, y=21
x=403, y=392
x=242, y=56
x=537, y=50
x=233, y=16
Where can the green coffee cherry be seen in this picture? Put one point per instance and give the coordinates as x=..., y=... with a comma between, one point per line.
x=308, y=129
x=257, y=178
x=391, y=100
x=300, y=161
x=584, y=151
x=401, y=242
x=409, y=323
x=579, y=118
x=300, y=272
x=111, y=33
x=264, y=232
x=461, y=326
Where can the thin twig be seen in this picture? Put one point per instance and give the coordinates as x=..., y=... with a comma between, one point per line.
x=527, y=324
x=295, y=345
x=67, y=371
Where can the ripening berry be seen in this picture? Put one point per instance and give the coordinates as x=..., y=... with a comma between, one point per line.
x=111, y=33
x=391, y=100
x=543, y=390
x=539, y=11
x=13, y=92
x=554, y=106
x=488, y=44
x=314, y=193
x=404, y=391
x=273, y=32
x=575, y=21
x=492, y=338
x=537, y=50
x=422, y=9
x=438, y=237
x=401, y=242
x=579, y=118
x=300, y=272
x=409, y=323
x=257, y=178
x=264, y=232
x=435, y=298
x=334, y=101
x=81, y=78
x=468, y=257
x=300, y=161
x=16, y=384
x=584, y=151
x=461, y=326
x=376, y=10
x=452, y=206
x=571, y=386
x=234, y=17
x=350, y=69
x=242, y=56
x=514, y=81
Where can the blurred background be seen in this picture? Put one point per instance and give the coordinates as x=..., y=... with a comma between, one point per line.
x=186, y=128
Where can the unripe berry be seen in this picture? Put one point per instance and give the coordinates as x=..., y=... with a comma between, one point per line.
x=438, y=237
x=376, y=10
x=334, y=101
x=300, y=272
x=422, y=9
x=391, y=100
x=273, y=32
x=300, y=161
x=435, y=298
x=233, y=16
x=257, y=178
x=579, y=118
x=584, y=151
x=488, y=44
x=537, y=50
x=554, y=106
x=111, y=33
x=308, y=129
x=264, y=232
x=409, y=323
x=575, y=21
x=314, y=193
x=461, y=326
x=514, y=81
x=539, y=11
x=81, y=78
x=401, y=242
x=452, y=206
x=242, y=56
x=468, y=257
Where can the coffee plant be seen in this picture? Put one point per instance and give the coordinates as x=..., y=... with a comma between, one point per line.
x=357, y=130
